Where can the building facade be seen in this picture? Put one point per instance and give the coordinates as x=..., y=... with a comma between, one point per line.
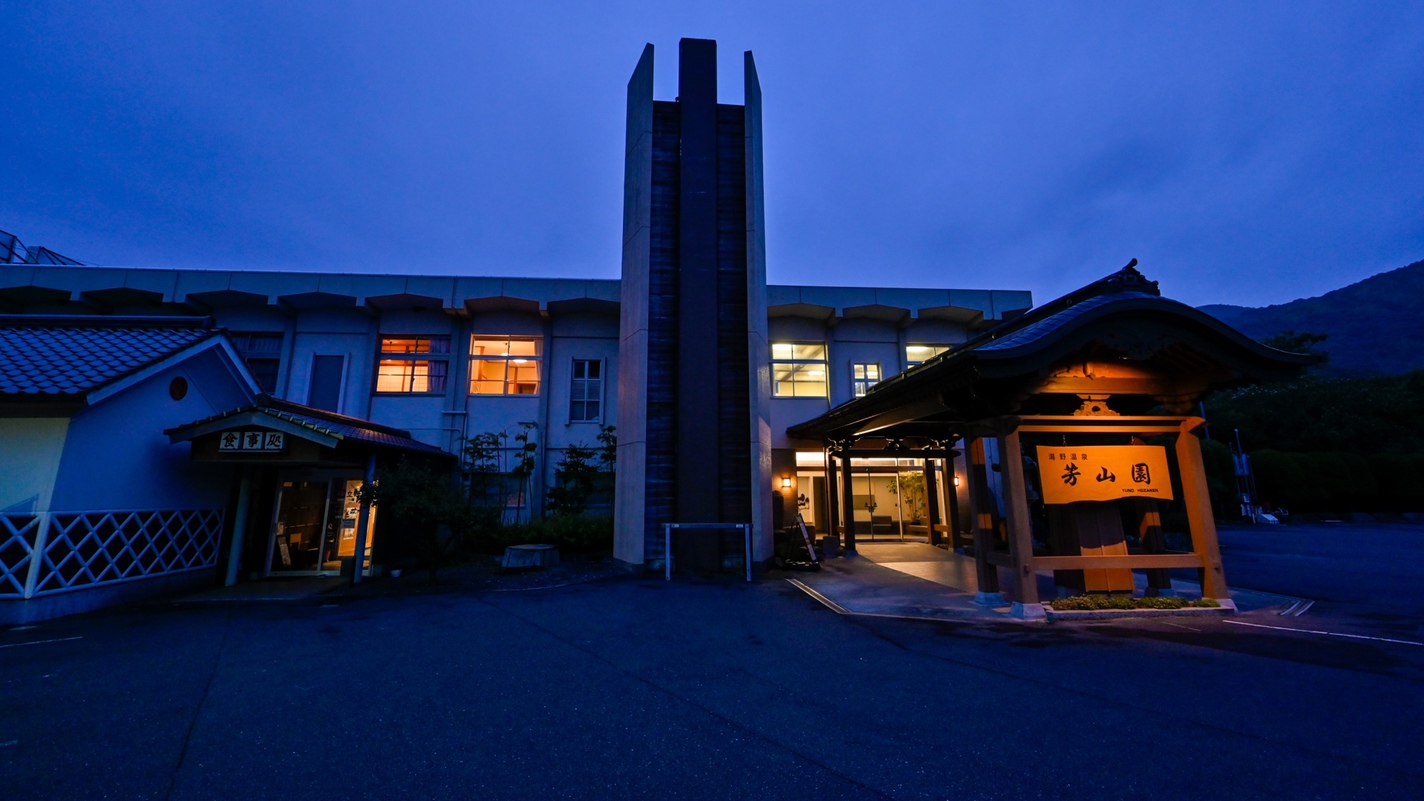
x=699, y=364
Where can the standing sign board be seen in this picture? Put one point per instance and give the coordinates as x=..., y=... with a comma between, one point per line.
x=1103, y=473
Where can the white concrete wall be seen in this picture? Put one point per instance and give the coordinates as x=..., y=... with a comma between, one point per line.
x=30, y=453
x=116, y=455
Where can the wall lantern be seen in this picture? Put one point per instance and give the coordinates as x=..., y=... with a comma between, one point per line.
x=956, y=481
x=786, y=482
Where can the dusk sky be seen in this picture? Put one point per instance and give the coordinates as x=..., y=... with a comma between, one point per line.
x=1246, y=153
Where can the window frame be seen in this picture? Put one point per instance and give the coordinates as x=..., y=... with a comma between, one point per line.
x=574, y=382
x=411, y=358
x=824, y=362
x=856, y=390
x=939, y=348
x=242, y=343
x=507, y=358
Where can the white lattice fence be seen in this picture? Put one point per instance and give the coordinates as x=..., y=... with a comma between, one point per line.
x=86, y=549
x=17, y=546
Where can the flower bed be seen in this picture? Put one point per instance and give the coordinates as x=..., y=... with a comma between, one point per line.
x=1094, y=602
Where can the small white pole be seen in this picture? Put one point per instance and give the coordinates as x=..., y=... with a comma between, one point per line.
x=747, y=548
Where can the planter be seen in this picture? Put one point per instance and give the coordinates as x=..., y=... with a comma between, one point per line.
x=1226, y=608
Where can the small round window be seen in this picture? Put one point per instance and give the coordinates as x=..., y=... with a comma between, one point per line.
x=178, y=388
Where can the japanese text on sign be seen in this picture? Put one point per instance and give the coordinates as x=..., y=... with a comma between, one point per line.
x=1103, y=473
x=252, y=440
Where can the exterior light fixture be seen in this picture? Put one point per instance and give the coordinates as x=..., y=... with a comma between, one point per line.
x=956, y=481
x=786, y=482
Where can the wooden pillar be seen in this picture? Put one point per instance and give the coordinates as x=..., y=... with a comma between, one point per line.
x=239, y=526
x=848, y=505
x=833, y=507
x=363, y=522
x=1020, y=530
x=932, y=499
x=952, y=508
x=1149, y=530
x=981, y=513
x=1199, y=517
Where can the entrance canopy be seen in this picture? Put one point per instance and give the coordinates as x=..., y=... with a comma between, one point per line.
x=1116, y=343
x=273, y=431
x=1078, y=398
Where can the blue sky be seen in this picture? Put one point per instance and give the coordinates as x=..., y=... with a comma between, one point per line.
x=1245, y=153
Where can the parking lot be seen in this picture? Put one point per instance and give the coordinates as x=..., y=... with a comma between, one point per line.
x=693, y=689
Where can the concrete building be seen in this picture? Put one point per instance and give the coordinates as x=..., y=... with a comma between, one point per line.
x=699, y=363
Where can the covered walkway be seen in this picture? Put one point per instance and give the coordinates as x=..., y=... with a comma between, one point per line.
x=919, y=581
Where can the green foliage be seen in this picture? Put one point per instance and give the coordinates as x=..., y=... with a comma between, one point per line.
x=1384, y=414
x=494, y=470
x=579, y=533
x=1220, y=476
x=1093, y=602
x=1340, y=482
x=912, y=484
x=582, y=474
x=422, y=499
x=1304, y=342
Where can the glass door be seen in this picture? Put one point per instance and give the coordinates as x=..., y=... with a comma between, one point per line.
x=314, y=527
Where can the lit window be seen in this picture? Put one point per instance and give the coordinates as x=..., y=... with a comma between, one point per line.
x=586, y=392
x=505, y=365
x=863, y=377
x=413, y=364
x=262, y=353
x=918, y=354
x=798, y=370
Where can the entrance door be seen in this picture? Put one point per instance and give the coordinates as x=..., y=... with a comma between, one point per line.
x=890, y=500
x=314, y=527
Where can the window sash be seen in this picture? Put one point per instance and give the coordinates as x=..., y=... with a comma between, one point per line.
x=413, y=345
x=505, y=365
x=863, y=377
x=586, y=391
x=799, y=370
x=919, y=354
x=413, y=376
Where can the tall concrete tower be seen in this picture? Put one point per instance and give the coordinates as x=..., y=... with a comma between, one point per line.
x=694, y=439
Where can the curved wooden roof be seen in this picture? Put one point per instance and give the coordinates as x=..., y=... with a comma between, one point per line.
x=1116, y=338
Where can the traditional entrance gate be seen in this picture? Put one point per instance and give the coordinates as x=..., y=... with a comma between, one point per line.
x=1082, y=411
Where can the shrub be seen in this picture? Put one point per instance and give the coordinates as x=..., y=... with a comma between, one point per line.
x=572, y=533
x=1093, y=602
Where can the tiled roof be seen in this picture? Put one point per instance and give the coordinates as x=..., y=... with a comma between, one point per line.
x=57, y=357
x=321, y=422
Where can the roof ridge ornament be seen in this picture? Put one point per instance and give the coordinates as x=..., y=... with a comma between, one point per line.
x=1129, y=277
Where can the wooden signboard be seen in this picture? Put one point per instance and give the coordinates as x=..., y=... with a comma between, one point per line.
x=1103, y=473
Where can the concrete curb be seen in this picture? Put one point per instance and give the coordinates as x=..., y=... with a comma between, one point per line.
x=1107, y=614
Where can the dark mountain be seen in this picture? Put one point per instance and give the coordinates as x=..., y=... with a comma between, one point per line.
x=1375, y=326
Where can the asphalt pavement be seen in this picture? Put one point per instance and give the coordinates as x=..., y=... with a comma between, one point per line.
x=634, y=687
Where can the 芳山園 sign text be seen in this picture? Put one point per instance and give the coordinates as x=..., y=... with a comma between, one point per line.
x=1103, y=473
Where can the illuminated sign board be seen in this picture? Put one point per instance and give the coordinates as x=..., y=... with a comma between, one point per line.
x=1103, y=473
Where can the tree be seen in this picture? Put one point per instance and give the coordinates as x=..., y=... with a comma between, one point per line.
x=424, y=500
x=582, y=473
x=1304, y=342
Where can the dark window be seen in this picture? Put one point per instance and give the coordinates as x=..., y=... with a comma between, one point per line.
x=262, y=353
x=326, y=382
x=586, y=393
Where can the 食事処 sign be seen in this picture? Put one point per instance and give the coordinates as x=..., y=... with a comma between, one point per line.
x=252, y=440
x=1103, y=473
